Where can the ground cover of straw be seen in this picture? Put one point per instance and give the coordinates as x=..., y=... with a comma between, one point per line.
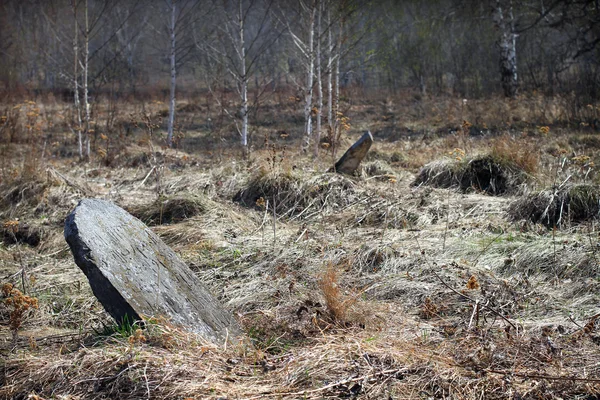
x=365, y=286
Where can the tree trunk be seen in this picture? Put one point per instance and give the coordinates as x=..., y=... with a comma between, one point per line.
x=76, y=82
x=319, y=84
x=330, y=118
x=173, y=78
x=244, y=84
x=507, y=42
x=309, y=80
x=336, y=95
x=86, y=102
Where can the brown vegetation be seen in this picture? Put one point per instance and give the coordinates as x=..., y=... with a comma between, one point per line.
x=559, y=206
x=369, y=286
x=491, y=174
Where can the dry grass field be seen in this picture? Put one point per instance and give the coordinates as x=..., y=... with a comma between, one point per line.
x=462, y=262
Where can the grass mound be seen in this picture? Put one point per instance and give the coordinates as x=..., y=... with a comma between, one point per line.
x=294, y=197
x=379, y=170
x=24, y=193
x=170, y=210
x=559, y=206
x=50, y=197
x=489, y=174
x=13, y=232
x=394, y=157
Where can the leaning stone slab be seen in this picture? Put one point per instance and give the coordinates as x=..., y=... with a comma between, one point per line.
x=351, y=159
x=133, y=272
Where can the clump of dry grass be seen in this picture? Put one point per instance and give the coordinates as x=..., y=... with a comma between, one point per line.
x=544, y=258
x=170, y=210
x=338, y=304
x=559, y=206
x=48, y=196
x=281, y=188
x=22, y=192
x=373, y=257
x=589, y=142
x=15, y=231
x=440, y=173
x=294, y=196
x=385, y=214
x=520, y=153
x=379, y=170
x=393, y=157
x=489, y=174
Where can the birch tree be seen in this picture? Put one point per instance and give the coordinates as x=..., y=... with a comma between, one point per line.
x=308, y=37
x=173, y=8
x=303, y=38
x=76, y=82
x=330, y=61
x=319, y=83
x=93, y=27
x=182, y=14
x=504, y=19
x=244, y=33
x=308, y=51
x=86, y=69
x=335, y=99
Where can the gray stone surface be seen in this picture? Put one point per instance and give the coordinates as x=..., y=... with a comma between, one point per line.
x=351, y=159
x=133, y=272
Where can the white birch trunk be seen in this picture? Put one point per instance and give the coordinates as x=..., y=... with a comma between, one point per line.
x=330, y=120
x=86, y=102
x=244, y=84
x=76, y=83
x=173, y=77
x=336, y=95
x=309, y=80
x=319, y=84
x=504, y=20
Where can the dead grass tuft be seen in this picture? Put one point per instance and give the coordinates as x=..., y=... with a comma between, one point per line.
x=22, y=193
x=170, y=210
x=15, y=231
x=338, y=304
x=488, y=174
x=589, y=142
x=559, y=206
x=379, y=170
x=520, y=153
x=294, y=196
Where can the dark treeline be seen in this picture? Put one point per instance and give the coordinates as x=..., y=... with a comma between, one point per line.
x=462, y=47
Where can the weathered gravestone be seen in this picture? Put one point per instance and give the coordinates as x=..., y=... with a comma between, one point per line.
x=133, y=272
x=351, y=159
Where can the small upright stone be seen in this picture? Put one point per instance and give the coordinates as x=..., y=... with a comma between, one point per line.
x=351, y=159
x=134, y=273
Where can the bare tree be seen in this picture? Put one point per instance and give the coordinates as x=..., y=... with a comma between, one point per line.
x=330, y=61
x=238, y=42
x=76, y=82
x=172, y=34
x=182, y=14
x=86, y=69
x=91, y=40
x=319, y=74
x=303, y=37
x=335, y=100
